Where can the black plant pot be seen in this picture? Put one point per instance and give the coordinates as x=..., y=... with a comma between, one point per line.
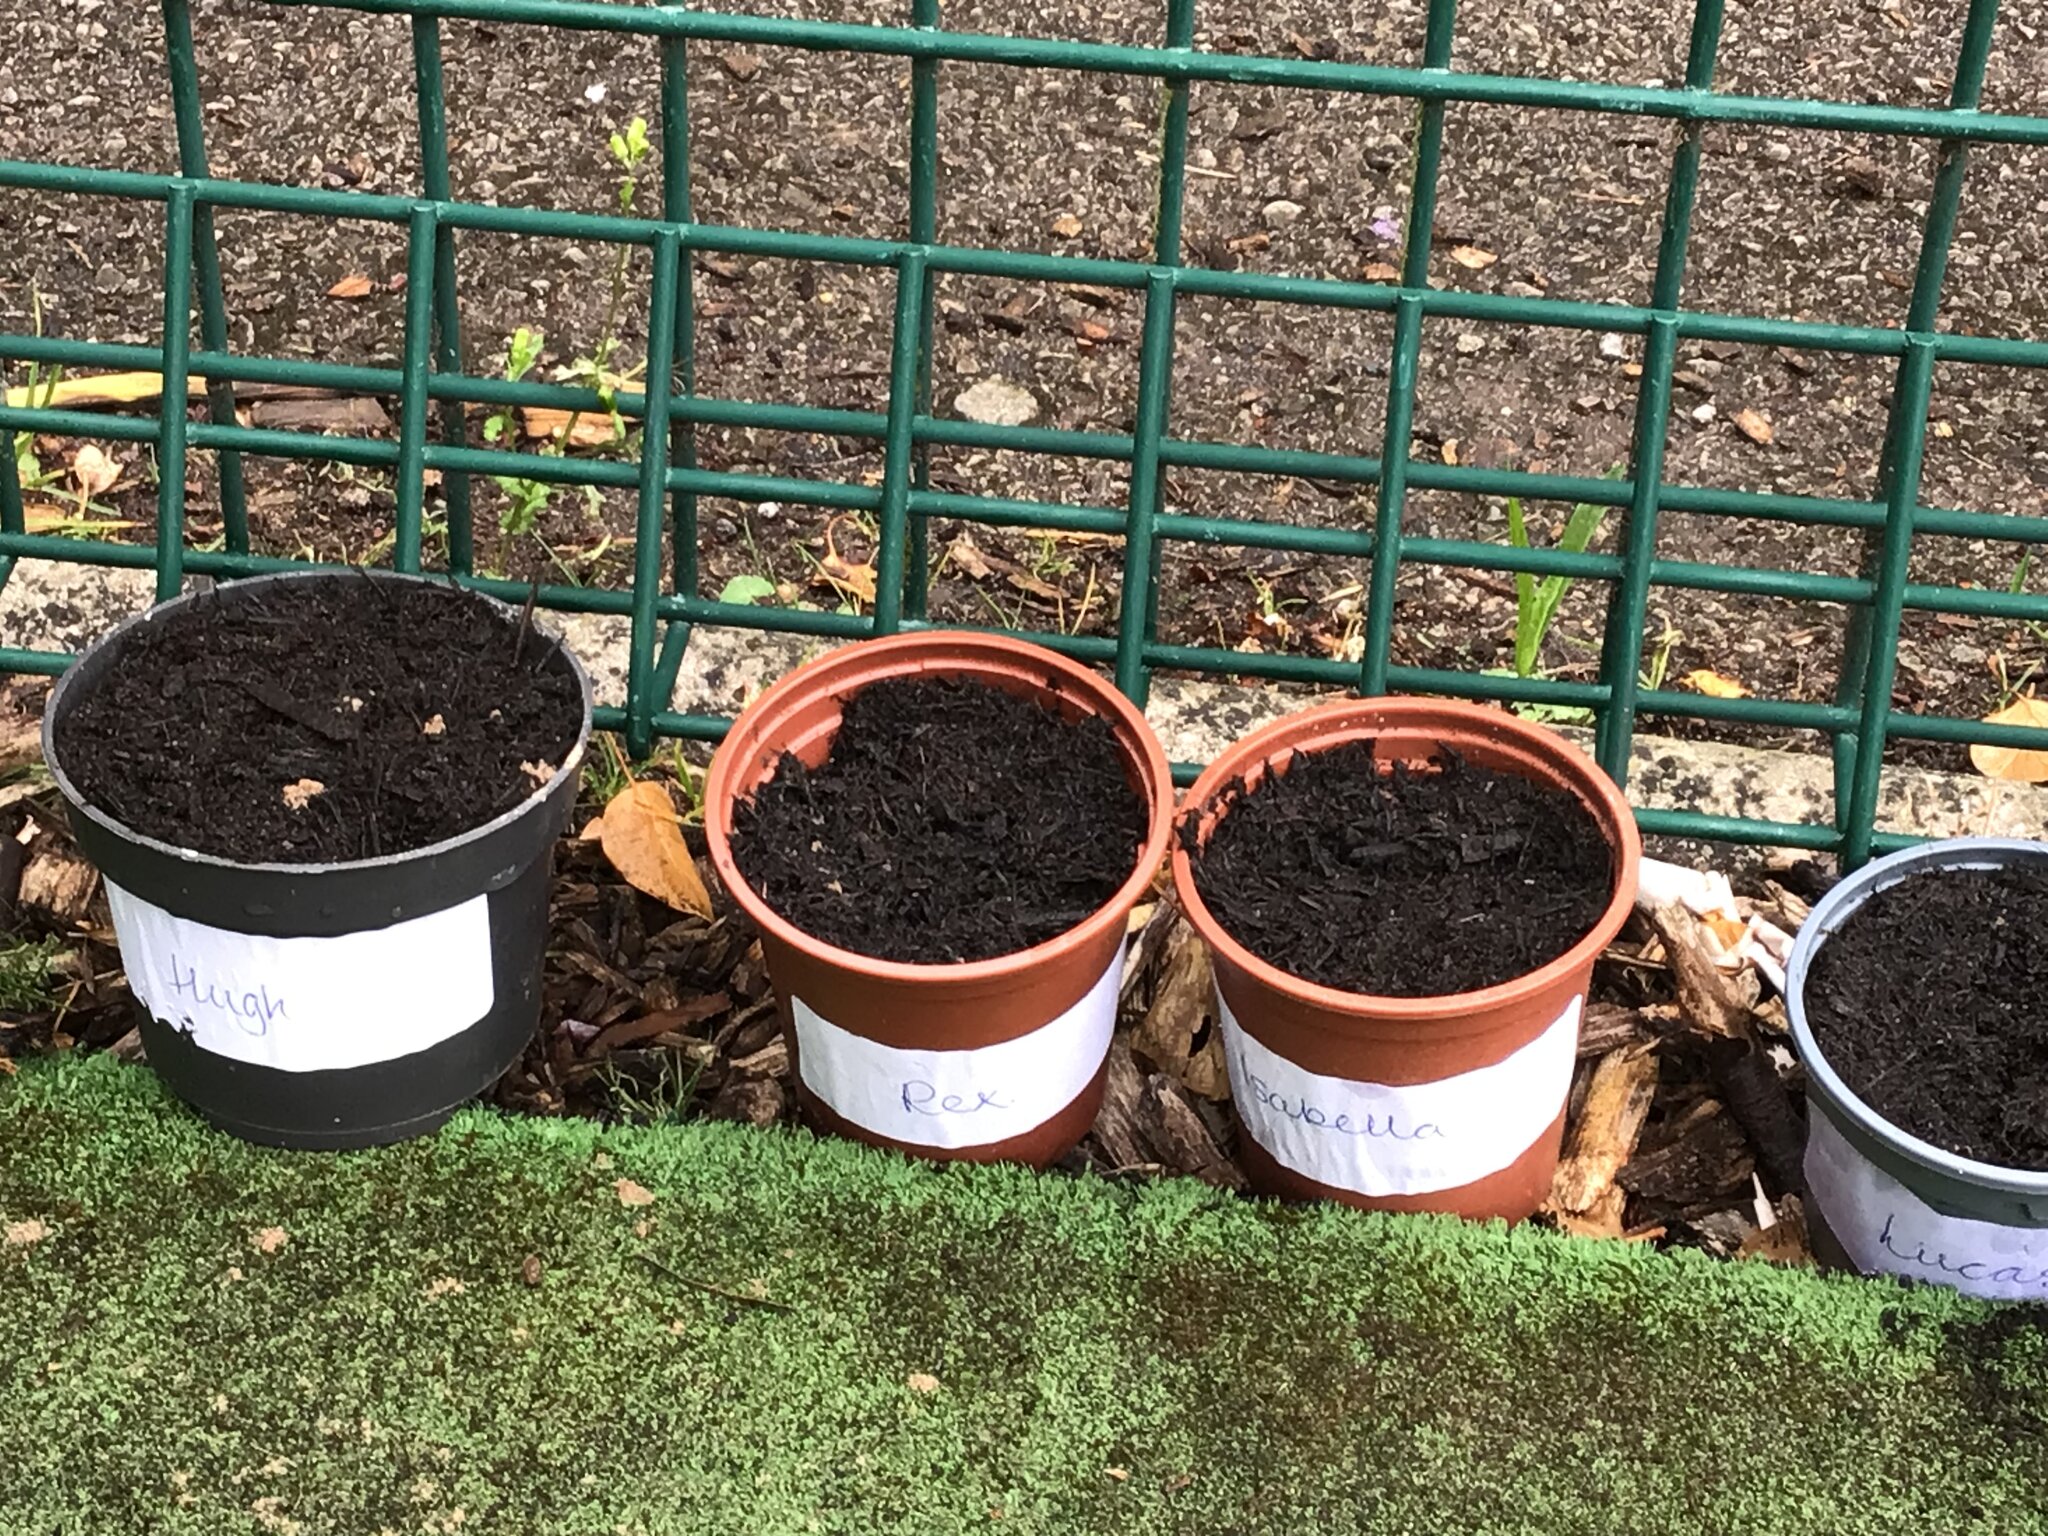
x=328, y=1005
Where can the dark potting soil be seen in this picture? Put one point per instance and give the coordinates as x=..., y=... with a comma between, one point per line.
x=1404, y=883
x=316, y=721
x=951, y=822
x=1931, y=1001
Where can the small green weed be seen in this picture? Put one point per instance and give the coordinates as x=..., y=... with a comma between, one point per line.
x=42, y=390
x=659, y=1095
x=526, y=498
x=605, y=773
x=1537, y=600
x=747, y=588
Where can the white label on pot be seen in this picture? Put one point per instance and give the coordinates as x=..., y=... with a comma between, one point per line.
x=963, y=1098
x=310, y=1004
x=1887, y=1229
x=1382, y=1139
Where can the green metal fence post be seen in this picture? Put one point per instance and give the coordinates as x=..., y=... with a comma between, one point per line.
x=13, y=514
x=675, y=209
x=1871, y=646
x=905, y=348
x=172, y=406
x=924, y=230
x=682, y=432
x=422, y=234
x=641, y=703
x=433, y=113
x=1439, y=34
x=1166, y=252
x=1621, y=651
x=213, y=312
x=1155, y=375
x=1916, y=379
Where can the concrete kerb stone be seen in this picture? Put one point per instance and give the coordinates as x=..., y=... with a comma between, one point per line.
x=53, y=606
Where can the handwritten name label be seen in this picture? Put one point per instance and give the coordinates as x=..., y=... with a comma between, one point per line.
x=922, y=1098
x=254, y=1011
x=1384, y=1139
x=309, y=1004
x=1887, y=1229
x=1315, y=1117
x=967, y=1098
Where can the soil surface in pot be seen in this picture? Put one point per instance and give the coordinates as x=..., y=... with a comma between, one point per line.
x=1405, y=883
x=1931, y=1001
x=319, y=721
x=952, y=821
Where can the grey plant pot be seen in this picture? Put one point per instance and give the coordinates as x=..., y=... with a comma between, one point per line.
x=424, y=968
x=1893, y=1203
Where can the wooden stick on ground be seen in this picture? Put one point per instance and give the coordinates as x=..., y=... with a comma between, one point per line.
x=1617, y=1104
x=1714, y=1002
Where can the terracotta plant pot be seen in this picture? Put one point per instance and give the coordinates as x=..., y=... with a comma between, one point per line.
x=1885, y=1201
x=998, y=1059
x=1453, y=1103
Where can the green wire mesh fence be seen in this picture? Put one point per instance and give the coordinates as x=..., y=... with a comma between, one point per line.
x=664, y=601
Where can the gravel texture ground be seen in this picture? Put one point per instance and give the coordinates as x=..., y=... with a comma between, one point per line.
x=1797, y=224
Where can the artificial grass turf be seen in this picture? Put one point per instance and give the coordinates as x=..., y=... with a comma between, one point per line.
x=1125, y=1358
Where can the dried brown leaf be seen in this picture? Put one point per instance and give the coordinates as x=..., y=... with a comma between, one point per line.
x=94, y=389
x=1714, y=685
x=2016, y=765
x=354, y=286
x=632, y=1194
x=855, y=580
x=586, y=429
x=643, y=839
x=1755, y=426
x=44, y=517
x=1066, y=226
x=1473, y=257
x=923, y=1381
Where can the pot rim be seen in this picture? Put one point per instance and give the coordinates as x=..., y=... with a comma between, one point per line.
x=1823, y=1082
x=845, y=671
x=111, y=638
x=1310, y=729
